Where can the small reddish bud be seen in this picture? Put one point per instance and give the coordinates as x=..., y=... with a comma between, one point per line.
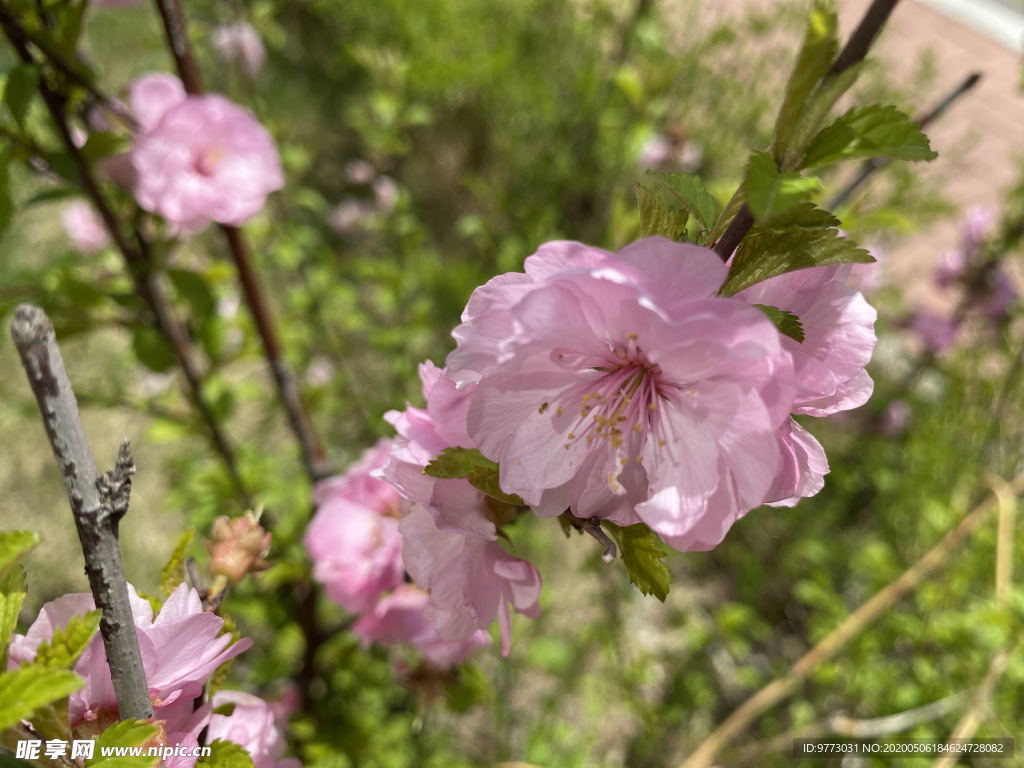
x=238, y=546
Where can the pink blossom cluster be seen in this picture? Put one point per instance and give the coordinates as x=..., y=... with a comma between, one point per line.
x=195, y=159
x=361, y=550
x=985, y=286
x=621, y=386
x=181, y=646
x=352, y=214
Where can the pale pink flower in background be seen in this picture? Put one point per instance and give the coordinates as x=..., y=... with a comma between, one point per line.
x=84, y=227
x=254, y=725
x=240, y=43
x=471, y=580
x=359, y=172
x=349, y=216
x=201, y=159
x=319, y=372
x=655, y=152
x=385, y=193
x=619, y=386
x=353, y=539
x=181, y=647
x=977, y=225
x=951, y=269
x=935, y=331
x=896, y=418
x=401, y=618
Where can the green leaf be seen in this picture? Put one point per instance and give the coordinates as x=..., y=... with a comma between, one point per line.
x=67, y=644
x=27, y=688
x=813, y=62
x=49, y=195
x=787, y=323
x=103, y=144
x=12, y=595
x=173, y=574
x=126, y=733
x=469, y=463
x=875, y=131
x=20, y=88
x=6, y=200
x=225, y=754
x=809, y=241
x=14, y=544
x=643, y=556
x=71, y=28
x=658, y=215
x=801, y=216
x=687, y=193
x=151, y=349
x=195, y=289
x=771, y=192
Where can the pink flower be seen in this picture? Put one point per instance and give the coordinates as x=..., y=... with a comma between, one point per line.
x=353, y=539
x=802, y=467
x=181, y=647
x=471, y=580
x=839, y=337
x=402, y=618
x=385, y=193
x=655, y=152
x=359, y=171
x=619, y=386
x=199, y=159
x=977, y=224
x=240, y=43
x=897, y=416
x=85, y=228
x=349, y=216
x=936, y=332
x=253, y=725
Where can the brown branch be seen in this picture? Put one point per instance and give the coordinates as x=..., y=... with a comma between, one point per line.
x=856, y=48
x=313, y=457
x=851, y=627
x=98, y=503
x=138, y=261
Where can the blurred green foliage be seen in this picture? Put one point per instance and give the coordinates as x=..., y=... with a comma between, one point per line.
x=505, y=125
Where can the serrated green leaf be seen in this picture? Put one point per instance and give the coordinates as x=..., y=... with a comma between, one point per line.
x=766, y=253
x=225, y=754
x=27, y=688
x=873, y=132
x=820, y=44
x=103, y=144
x=67, y=644
x=227, y=709
x=771, y=192
x=14, y=544
x=659, y=216
x=643, y=557
x=173, y=572
x=688, y=192
x=125, y=733
x=801, y=216
x=482, y=473
x=12, y=595
x=787, y=323
x=20, y=88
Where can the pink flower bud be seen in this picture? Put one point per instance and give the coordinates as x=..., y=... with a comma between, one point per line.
x=238, y=547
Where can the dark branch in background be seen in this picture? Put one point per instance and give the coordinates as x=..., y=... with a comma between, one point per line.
x=313, y=457
x=853, y=52
x=71, y=70
x=98, y=503
x=869, y=167
x=138, y=261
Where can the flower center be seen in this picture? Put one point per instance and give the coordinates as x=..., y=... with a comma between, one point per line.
x=615, y=403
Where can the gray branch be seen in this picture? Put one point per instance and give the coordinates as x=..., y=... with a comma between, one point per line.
x=98, y=503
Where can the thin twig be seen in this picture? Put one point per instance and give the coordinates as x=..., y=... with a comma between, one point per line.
x=869, y=167
x=844, y=725
x=138, y=260
x=856, y=48
x=98, y=503
x=592, y=527
x=72, y=71
x=313, y=457
x=851, y=627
